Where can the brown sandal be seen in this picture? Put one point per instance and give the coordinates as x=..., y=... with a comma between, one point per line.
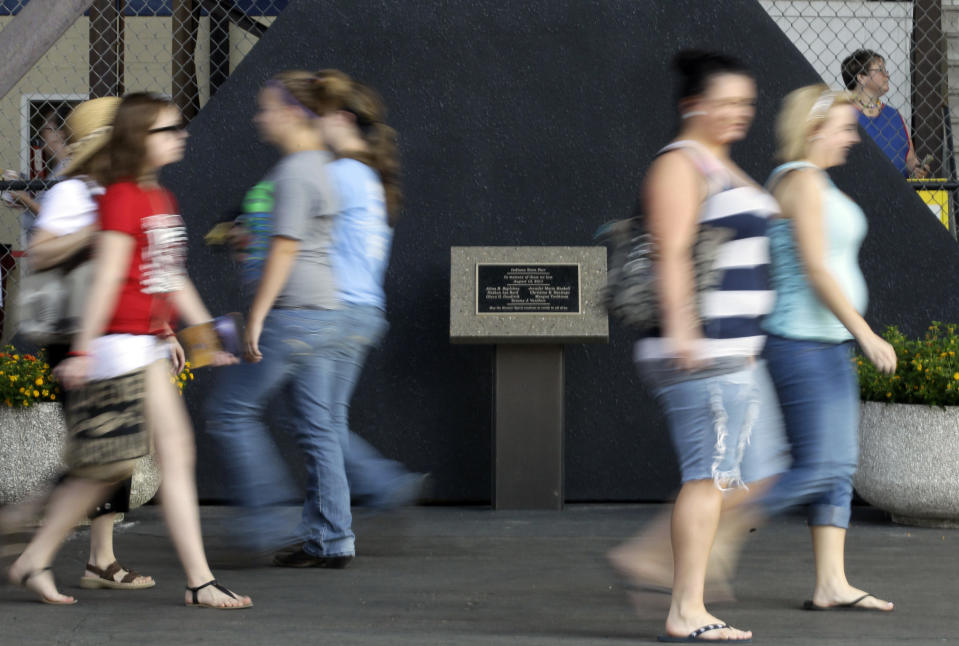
x=104, y=579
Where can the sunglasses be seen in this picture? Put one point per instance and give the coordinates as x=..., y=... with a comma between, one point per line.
x=175, y=128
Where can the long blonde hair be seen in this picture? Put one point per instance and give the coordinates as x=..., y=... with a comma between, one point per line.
x=802, y=114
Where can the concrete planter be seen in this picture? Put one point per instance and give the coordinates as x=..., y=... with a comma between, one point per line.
x=31, y=446
x=909, y=462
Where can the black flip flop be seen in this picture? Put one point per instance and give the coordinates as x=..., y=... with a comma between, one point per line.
x=694, y=637
x=851, y=605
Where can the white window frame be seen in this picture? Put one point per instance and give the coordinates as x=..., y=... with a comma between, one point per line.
x=25, y=101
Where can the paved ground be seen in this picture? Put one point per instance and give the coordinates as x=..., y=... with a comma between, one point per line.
x=449, y=576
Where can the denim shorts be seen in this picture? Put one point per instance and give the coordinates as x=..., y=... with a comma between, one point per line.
x=716, y=421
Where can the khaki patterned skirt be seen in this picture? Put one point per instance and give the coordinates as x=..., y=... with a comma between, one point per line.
x=106, y=421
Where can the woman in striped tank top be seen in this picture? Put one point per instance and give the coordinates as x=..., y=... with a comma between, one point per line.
x=821, y=296
x=701, y=364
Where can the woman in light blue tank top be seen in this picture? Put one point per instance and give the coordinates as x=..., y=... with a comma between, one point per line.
x=821, y=297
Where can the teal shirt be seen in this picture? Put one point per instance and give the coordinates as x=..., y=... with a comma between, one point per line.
x=798, y=312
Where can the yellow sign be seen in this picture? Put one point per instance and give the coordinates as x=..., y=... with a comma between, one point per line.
x=937, y=200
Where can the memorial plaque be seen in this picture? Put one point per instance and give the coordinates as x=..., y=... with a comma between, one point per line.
x=541, y=288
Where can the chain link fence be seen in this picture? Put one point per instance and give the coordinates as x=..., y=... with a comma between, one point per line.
x=183, y=48
x=907, y=82
x=893, y=56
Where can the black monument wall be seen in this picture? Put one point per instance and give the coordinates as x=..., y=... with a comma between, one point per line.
x=527, y=123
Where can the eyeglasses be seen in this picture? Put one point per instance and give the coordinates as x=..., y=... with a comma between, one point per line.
x=881, y=70
x=175, y=128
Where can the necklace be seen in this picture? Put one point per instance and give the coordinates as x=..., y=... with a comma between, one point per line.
x=874, y=104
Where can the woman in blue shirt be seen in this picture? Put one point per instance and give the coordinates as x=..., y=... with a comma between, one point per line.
x=864, y=73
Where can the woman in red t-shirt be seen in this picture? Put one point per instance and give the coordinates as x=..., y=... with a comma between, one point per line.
x=140, y=280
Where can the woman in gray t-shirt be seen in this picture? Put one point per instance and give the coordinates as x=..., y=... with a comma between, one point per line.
x=289, y=341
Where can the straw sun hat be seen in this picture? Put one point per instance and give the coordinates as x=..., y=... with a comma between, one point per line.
x=89, y=125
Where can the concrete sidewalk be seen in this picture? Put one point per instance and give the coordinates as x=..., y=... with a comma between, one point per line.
x=441, y=575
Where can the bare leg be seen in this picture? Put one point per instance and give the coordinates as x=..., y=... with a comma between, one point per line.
x=17, y=519
x=739, y=517
x=695, y=520
x=832, y=588
x=101, y=549
x=647, y=558
x=69, y=503
x=176, y=454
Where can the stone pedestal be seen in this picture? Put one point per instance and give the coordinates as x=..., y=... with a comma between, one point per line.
x=529, y=301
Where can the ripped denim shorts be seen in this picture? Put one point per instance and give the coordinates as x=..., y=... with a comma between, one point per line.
x=710, y=421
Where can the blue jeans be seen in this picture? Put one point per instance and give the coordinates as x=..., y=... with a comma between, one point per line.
x=377, y=482
x=298, y=351
x=819, y=395
x=767, y=453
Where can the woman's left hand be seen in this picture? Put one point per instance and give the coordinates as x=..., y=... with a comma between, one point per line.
x=251, y=340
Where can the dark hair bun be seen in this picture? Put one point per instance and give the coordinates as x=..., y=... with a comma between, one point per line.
x=696, y=67
x=688, y=61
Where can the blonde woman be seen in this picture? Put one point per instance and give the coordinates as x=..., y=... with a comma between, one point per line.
x=821, y=297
